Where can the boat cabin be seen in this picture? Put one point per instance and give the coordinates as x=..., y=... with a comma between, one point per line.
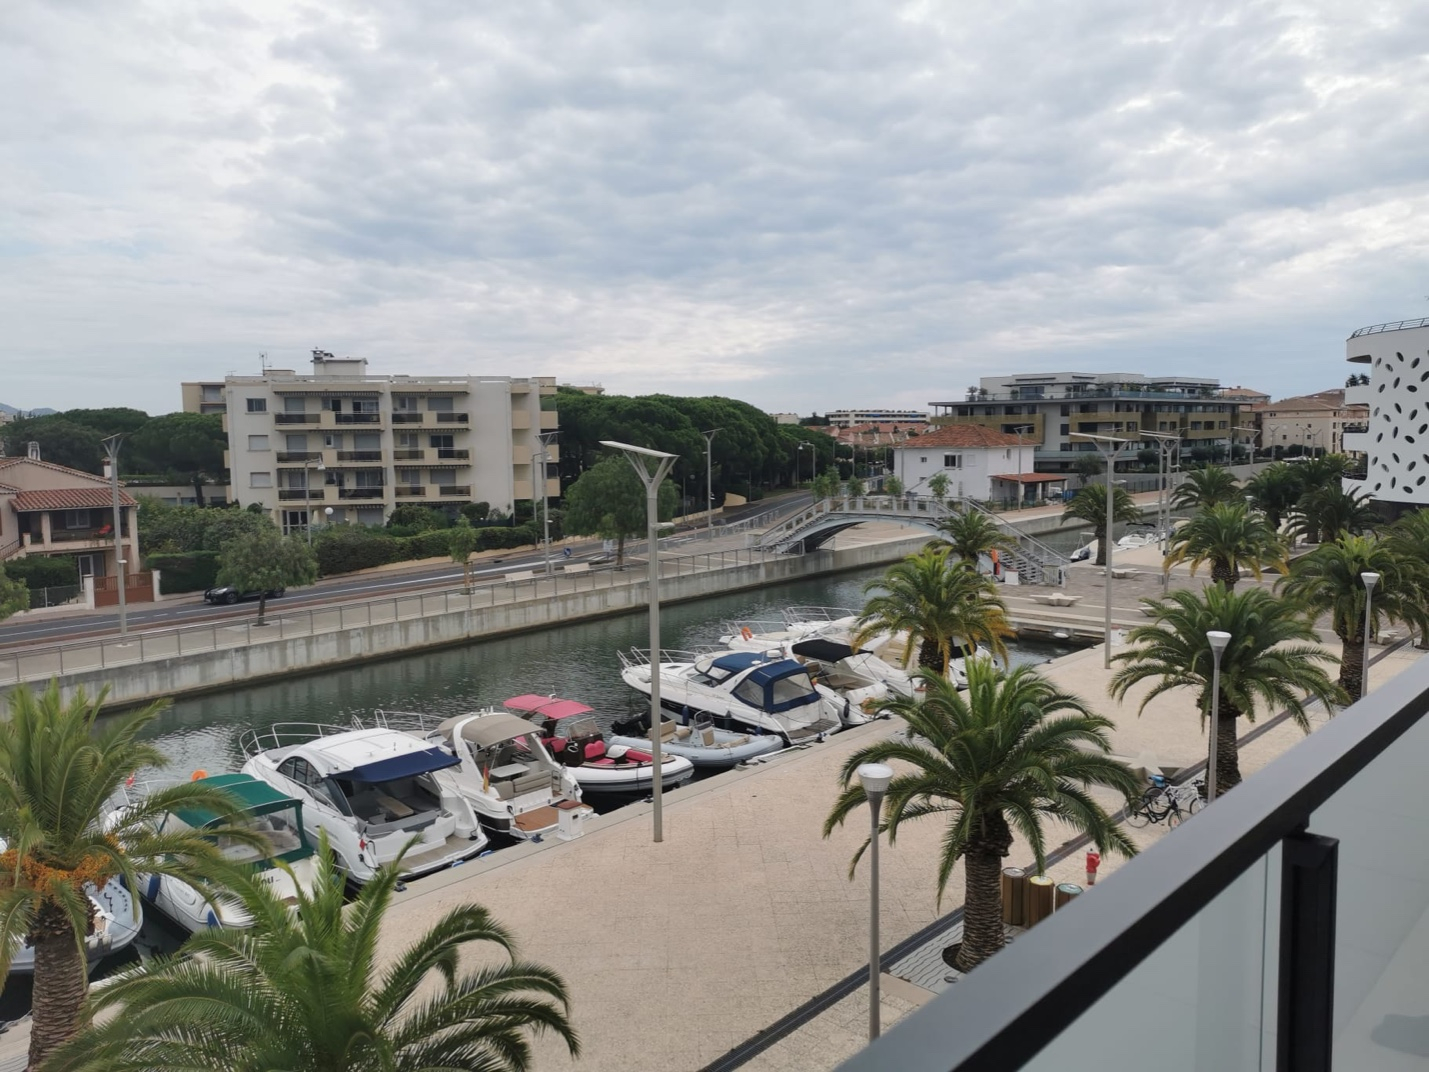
x=276, y=818
x=773, y=686
x=506, y=750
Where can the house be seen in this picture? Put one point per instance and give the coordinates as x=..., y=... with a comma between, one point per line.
x=52, y=510
x=981, y=463
x=1314, y=423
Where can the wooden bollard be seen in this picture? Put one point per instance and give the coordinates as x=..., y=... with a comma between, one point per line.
x=1014, y=897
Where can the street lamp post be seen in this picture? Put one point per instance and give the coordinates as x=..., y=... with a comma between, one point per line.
x=875, y=778
x=1110, y=448
x=1166, y=444
x=111, y=449
x=1218, y=640
x=308, y=498
x=1370, y=580
x=546, y=438
x=652, y=474
x=1019, y=430
x=798, y=453
x=709, y=482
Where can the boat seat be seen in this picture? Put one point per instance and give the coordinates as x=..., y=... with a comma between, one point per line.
x=738, y=742
x=707, y=737
x=682, y=733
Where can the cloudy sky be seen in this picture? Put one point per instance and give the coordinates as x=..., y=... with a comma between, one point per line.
x=805, y=205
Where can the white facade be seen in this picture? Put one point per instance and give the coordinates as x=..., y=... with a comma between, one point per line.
x=1397, y=442
x=847, y=418
x=360, y=445
x=970, y=469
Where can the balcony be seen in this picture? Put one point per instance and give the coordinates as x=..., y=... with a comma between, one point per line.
x=359, y=456
x=298, y=418
x=360, y=493
x=520, y=420
x=302, y=494
x=550, y=420
x=408, y=454
x=1356, y=442
x=357, y=418
x=453, y=453
x=299, y=457
x=449, y=418
x=101, y=533
x=1285, y=926
x=454, y=489
x=410, y=491
x=1361, y=394
x=520, y=454
x=406, y=417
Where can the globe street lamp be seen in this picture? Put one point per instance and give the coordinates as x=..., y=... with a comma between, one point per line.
x=1218, y=640
x=1370, y=580
x=874, y=777
x=652, y=474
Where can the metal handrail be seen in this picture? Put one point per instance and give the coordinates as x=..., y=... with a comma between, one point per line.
x=1394, y=325
x=283, y=734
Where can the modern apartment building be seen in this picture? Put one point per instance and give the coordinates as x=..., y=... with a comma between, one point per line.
x=1047, y=407
x=1395, y=442
x=341, y=446
x=1314, y=423
x=847, y=418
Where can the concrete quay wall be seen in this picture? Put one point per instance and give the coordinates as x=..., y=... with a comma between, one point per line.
x=211, y=671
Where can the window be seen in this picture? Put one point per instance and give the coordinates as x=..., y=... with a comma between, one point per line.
x=367, y=441
x=923, y=458
x=334, y=404
x=257, y=442
x=295, y=405
x=952, y=461
x=408, y=440
x=444, y=476
x=333, y=440
x=364, y=405
x=1066, y=410
x=442, y=442
x=212, y=392
x=294, y=521
x=295, y=443
x=437, y=404
x=260, y=480
x=257, y=405
x=1066, y=429
x=409, y=476
x=76, y=519
x=1195, y=426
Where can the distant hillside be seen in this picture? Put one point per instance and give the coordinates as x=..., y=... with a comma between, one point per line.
x=29, y=412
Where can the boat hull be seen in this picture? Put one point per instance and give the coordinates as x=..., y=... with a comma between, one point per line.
x=718, y=757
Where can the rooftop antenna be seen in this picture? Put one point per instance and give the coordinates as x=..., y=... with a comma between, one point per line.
x=263, y=360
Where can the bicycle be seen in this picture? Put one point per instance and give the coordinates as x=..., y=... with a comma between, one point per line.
x=1173, y=803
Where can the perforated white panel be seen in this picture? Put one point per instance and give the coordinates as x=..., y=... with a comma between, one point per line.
x=1399, y=416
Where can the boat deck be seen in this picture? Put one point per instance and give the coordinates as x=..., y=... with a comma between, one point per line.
x=809, y=732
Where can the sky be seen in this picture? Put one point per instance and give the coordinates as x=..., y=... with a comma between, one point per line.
x=803, y=205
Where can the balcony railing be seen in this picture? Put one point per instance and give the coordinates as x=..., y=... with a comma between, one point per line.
x=1358, y=426
x=104, y=532
x=1284, y=927
x=445, y=417
x=297, y=418
x=291, y=457
x=453, y=453
x=410, y=491
x=406, y=418
x=454, y=489
x=357, y=418
x=302, y=494
x=1396, y=325
x=359, y=455
x=408, y=454
x=359, y=493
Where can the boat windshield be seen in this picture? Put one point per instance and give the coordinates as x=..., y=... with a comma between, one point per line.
x=282, y=834
x=577, y=726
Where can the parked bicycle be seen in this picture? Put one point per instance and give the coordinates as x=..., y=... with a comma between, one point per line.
x=1164, y=801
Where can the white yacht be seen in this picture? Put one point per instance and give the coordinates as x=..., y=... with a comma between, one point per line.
x=763, y=692
x=505, y=772
x=373, y=791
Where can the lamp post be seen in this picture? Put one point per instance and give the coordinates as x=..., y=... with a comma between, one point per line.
x=798, y=453
x=546, y=438
x=652, y=474
x=875, y=778
x=1166, y=444
x=111, y=449
x=1218, y=640
x=1370, y=580
x=308, y=499
x=709, y=482
x=1019, y=429
x=1111, y=448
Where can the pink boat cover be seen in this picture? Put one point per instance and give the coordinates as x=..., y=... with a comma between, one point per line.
x=547, y=706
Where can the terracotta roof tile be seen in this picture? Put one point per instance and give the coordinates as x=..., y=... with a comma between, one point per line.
x=68, y=499
x=967, y=436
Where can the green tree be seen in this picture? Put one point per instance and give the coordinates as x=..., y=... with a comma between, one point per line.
x=938, y=486
x=942, y=605
x=854, y=488
x=971, y=534
x=826, y=485
x=115, y=420
x=62, y=442
x=14, y=596
x=1089, y=505
x=1228, y=536
x=1324, y=513
x=1089, y=464
x=893, y=486
x=1408, y=541
x=609, y=501
x=463, y=543
x=994, y=762
x=1275, y=490
x=186, y=446
x=1271, y=661
x=302, y=989
x=59, y=767
x=1327, y=582
x=1206, y=487
x=264, y=562
x=172, y=530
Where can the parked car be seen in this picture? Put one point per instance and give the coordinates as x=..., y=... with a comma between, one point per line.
x=230, y=595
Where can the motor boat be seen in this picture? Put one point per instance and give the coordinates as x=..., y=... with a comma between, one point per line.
x=698, y=739
x=287, y=861
x=760, y=691
x=572, y=735
x=506, y=774
x=373, y=790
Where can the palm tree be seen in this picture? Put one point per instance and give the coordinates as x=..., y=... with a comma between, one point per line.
x=1275, y=490
x=1327, y=581
x=1228, y=536
x=1089, y=505
x=1325, y=512
x=1408, y=541
x=58, y=771
x=1206, y=487
x=995, y=761
x=941, y=604
x=971, y=534
x=302, y=989
x=1323, y=472
x=1271, y=660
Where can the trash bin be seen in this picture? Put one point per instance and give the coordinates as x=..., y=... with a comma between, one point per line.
x=1039, y=899
x=1065, y=892
x=1014, y=897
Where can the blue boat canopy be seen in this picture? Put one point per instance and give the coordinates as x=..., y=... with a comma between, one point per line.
x=778, y=686
x=403, y=766
x=738, y=660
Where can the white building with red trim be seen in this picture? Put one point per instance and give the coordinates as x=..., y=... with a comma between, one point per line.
x=980, y=463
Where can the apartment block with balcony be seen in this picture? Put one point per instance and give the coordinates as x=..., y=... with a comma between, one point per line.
x=341, y=446
x=52, y=510
x=847, y=418
x=1314, y=423
x=1394, y=445
x=1047, y=408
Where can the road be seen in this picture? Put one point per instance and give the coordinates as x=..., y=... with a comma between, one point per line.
x=192, y=609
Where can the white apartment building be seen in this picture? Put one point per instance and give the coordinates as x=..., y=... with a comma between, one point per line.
x=847, y=418
x=340, y=446
x=1395, y=445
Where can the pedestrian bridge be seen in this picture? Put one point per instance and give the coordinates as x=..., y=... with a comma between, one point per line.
x=1033, y=561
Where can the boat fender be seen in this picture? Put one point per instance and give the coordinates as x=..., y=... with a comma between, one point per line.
x=616, y=751
x=211, y=919
x=746, y=632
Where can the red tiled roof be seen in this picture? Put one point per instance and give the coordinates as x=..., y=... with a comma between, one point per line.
x=964, y=435
x=68, y=499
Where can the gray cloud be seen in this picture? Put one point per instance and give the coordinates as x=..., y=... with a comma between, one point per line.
x=806, y=205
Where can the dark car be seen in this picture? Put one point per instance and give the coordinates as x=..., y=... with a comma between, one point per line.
x=230, y=595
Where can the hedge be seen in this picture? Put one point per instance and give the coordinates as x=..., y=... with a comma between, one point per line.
x=192, y=571
x=343, y=548
x=37, y=571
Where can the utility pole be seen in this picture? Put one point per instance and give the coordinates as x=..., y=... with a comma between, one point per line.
x=709, y=483
x=111, y=449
